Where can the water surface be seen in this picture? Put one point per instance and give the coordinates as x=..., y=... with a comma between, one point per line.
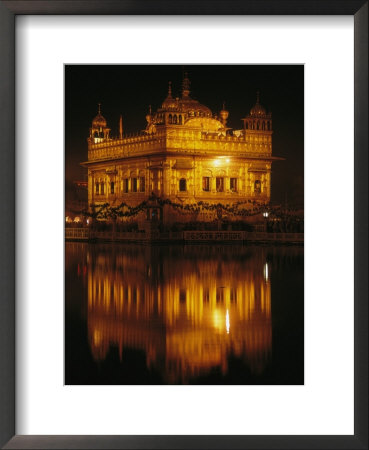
x=195, y=314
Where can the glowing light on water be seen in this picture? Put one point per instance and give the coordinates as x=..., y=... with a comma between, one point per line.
x=266, y=271
x=227, y=321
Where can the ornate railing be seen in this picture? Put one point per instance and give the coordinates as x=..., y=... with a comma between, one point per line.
x=83, y=234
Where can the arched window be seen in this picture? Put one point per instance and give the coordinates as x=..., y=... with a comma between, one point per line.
x=258, y=125
x=257, y=186
x=97, y=188
x=96, y=134
x=268, y=126
x=219, y=184
x=112, y=187
x=180, y=120
x=170, y=118
x=246, y=125
x=182, y=185
x=102, y=188
x=253, y=125
x=134, y=184
x=233, y=184
x=175, y=118
x=263, y=126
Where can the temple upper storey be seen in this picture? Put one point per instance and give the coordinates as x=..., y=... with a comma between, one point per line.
x=183, y=124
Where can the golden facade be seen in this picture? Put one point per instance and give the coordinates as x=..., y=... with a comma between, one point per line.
x=186, y=154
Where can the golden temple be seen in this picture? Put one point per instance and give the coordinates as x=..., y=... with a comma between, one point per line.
x=186, y=154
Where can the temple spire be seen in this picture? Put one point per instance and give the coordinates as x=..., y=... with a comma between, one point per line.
x=186, y=85
x=121, y=127
x=99, y=108
x=169, y=89
x=224, y=115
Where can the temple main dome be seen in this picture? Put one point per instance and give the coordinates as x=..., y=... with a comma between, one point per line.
x=185, y=104
x=192, y=107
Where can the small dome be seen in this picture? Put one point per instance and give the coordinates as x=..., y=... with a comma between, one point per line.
x=99, y=120
x=170, y=102
x=257, y=110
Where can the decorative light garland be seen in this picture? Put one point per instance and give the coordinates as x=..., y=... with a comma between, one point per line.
x=106, y=211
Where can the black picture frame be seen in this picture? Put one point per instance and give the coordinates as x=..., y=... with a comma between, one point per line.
x=8, y=11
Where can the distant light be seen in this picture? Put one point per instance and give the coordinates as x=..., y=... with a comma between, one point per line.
x=266, y=214
x=68, y=219
x=227, y=321
x=77, y=219
x=88, y=221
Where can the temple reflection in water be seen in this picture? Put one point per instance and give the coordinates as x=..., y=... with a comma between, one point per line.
x=188, y=315
x=183, y=314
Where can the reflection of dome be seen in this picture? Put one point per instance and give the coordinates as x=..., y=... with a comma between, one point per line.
x=258, y=109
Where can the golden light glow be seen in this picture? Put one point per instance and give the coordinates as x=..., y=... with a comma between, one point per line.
x=182, y=144
x=266, y=271
x=204, y=309
x=227, y=321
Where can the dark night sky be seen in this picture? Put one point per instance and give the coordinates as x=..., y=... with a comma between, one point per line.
x=129, y=89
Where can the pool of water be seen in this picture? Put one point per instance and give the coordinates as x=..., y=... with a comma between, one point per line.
x=195, y=314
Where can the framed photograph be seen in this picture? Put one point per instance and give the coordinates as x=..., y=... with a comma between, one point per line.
x=184, y=243
x=173, y=230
